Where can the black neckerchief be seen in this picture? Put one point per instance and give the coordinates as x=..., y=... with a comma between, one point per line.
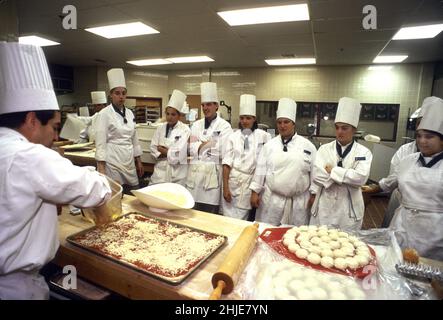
x=122, y=113
x=169, y=129
x=208, y=122
x=285, y=143
x=343, y=155
x=431, y=163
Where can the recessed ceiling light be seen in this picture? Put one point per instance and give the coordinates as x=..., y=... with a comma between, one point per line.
x=293, y=61
x=190, y=59
x=389, y=59
x=149, y=62
x=296, y=12
x=123, y=30
x=37, y=41
x=379, y=68
x=419, y=32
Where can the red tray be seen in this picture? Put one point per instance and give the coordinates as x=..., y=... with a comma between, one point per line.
x=273, y=237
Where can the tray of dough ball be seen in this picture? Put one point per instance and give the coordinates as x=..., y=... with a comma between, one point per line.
x=291, y=281
x=323, y=249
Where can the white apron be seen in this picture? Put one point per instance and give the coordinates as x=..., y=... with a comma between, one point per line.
x=23, y=286
x=419, y=220
x=241, y=195
x=286, y=192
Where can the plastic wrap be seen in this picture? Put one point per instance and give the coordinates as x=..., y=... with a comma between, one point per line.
x=270, y=276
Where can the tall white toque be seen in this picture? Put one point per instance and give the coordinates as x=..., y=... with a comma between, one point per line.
x=247, y=105
x=116, y=78
x=348, y=111
x=209, y=92
x=287, y=108
x=25, y=82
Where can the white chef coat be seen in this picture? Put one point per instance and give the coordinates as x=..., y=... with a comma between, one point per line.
x=204, y=177
x=88, y=133
x=173, y=168
x=283, y=180
x=117, y=144
x=418, y=221
x=242, y=162
x=339, y=199
x=33, y=179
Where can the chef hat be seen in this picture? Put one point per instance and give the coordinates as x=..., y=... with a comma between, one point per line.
x=185, y=108
x=247, y=105
x=348, y=111
x=116, y=78
x=426, y=102
x=433, y=115
x=177, y=99
x=25, y=82
x=209, y=92
x=287, y=108
x=98, y=97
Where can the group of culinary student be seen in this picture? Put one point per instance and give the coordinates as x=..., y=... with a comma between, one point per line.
x=227, y=171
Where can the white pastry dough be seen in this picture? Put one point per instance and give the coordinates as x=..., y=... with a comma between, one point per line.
x=339, y=253
x=327, y=253
x=301, y=253
x=316, y=240
x=281, y=293
x=335, y=244
x=355, y=293
x=337, y=295
x=293, y=247
x=340, y=263
x=343, y=234
x=324, y=245
x=322, y=232
x=314, y=258
x=319, y=293
x=352, y=263
x=304, y=294
x=315, y=249
x=327, y=262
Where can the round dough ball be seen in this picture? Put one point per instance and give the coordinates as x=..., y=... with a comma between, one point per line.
x=311, y=233
x=304, y=294
x=314, y=258
x=319, y=293
x=349, y=252
x=343, y=234
x=324, y=245
x=340, y=263
x=352, y=263
x=315, y=249
x=315, y=240
x=355, y=293
x=333, y=235
x=334, y=244
x=337, y=295
x=327, y=262
x=339, y=253
x=343, y=240
x=333, y=286
x=348, y=244
x=303, y=228
x=287, y=242
x=312, y=227
x=353, y=239
x=311, y=282
x=325, y=238
x=322, y=232
x=306, y=244
x=359, y=244
x=293, y=247
x=301, y=253
x=362, y=260
x=279, y=282
x=301, y=238
x=281, y=293
x=327, y=253
x=296, y=285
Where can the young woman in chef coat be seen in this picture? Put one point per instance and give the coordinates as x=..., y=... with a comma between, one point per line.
x=118, y=150
x=33, y=177
x=99, y=101
x=341, y=169
x=206, y=147
x=240, y=159
x=169, y=144
x=282, y=179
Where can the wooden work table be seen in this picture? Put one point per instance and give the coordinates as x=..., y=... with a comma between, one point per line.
x=133, y=284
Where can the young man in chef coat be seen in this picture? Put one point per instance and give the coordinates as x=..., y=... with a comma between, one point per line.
x=33, y=177
x=341, y=169
x=207, y=144
x=169, y=145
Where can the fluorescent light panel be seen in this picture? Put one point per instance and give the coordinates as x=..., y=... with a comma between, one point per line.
x=37, y=41
x=190, y=59
x=292, y=61
x=389, y=59
x=149, y=62
x=296, y=12
x=153, y=62
x=123, y=30
x=419, y=32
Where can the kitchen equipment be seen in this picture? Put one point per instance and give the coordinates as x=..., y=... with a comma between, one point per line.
x=224, y=280
x=422, y=271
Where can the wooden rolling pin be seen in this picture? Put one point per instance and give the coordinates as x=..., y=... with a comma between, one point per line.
x=226, y=277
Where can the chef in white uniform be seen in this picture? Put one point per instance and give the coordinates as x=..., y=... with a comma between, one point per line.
x=240, y=160
x=207, y=144
x=169, y=145
x=118, y=150
x=281, y=183
x=33, y=177
x=402, y=152
x=418, y=221
x=341, y=169
x=99, y=101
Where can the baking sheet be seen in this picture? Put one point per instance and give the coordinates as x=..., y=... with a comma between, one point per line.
x=171, y=280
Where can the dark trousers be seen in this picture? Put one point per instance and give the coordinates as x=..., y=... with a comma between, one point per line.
x=207, y=207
